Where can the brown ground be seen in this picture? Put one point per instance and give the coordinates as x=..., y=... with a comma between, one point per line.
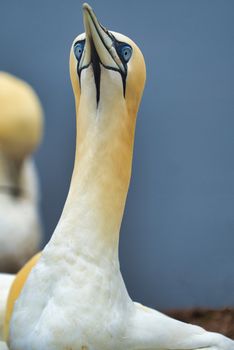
x=221, y=321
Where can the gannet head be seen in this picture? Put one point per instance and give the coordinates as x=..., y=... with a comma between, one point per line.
x=21, y=117
x=107, y=69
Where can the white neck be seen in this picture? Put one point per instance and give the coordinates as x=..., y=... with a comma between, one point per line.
x=94, y=208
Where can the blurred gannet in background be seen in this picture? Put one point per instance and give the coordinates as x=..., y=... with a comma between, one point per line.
x=74, y=297
x=21, y=121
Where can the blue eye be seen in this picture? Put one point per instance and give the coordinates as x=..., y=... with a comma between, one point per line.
x=126, y=52
x=78, y=49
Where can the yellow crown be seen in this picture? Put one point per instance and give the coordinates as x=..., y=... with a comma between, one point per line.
x=21, y=117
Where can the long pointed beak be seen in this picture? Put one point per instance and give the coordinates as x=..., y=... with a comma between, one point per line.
x=100, y=40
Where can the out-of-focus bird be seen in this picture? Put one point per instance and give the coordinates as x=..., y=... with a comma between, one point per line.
x=75, y=297
x=21, y=121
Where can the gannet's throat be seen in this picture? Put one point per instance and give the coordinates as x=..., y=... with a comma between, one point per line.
x=96, y=69
x=96, y=200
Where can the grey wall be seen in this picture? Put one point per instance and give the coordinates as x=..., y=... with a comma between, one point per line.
x=177, y=240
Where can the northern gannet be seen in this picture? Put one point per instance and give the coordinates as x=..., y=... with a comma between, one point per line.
x=20, y=132
x=74, y=297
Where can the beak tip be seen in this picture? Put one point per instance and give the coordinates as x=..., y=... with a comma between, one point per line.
x=86, y=7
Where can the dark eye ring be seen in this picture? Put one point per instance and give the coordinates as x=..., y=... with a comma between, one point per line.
x=78, y=49
x=126, y=52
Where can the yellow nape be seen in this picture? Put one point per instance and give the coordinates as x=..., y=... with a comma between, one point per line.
x=21, y=117
x=16, y=289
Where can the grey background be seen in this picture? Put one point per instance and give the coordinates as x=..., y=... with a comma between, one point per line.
x=177, y=240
